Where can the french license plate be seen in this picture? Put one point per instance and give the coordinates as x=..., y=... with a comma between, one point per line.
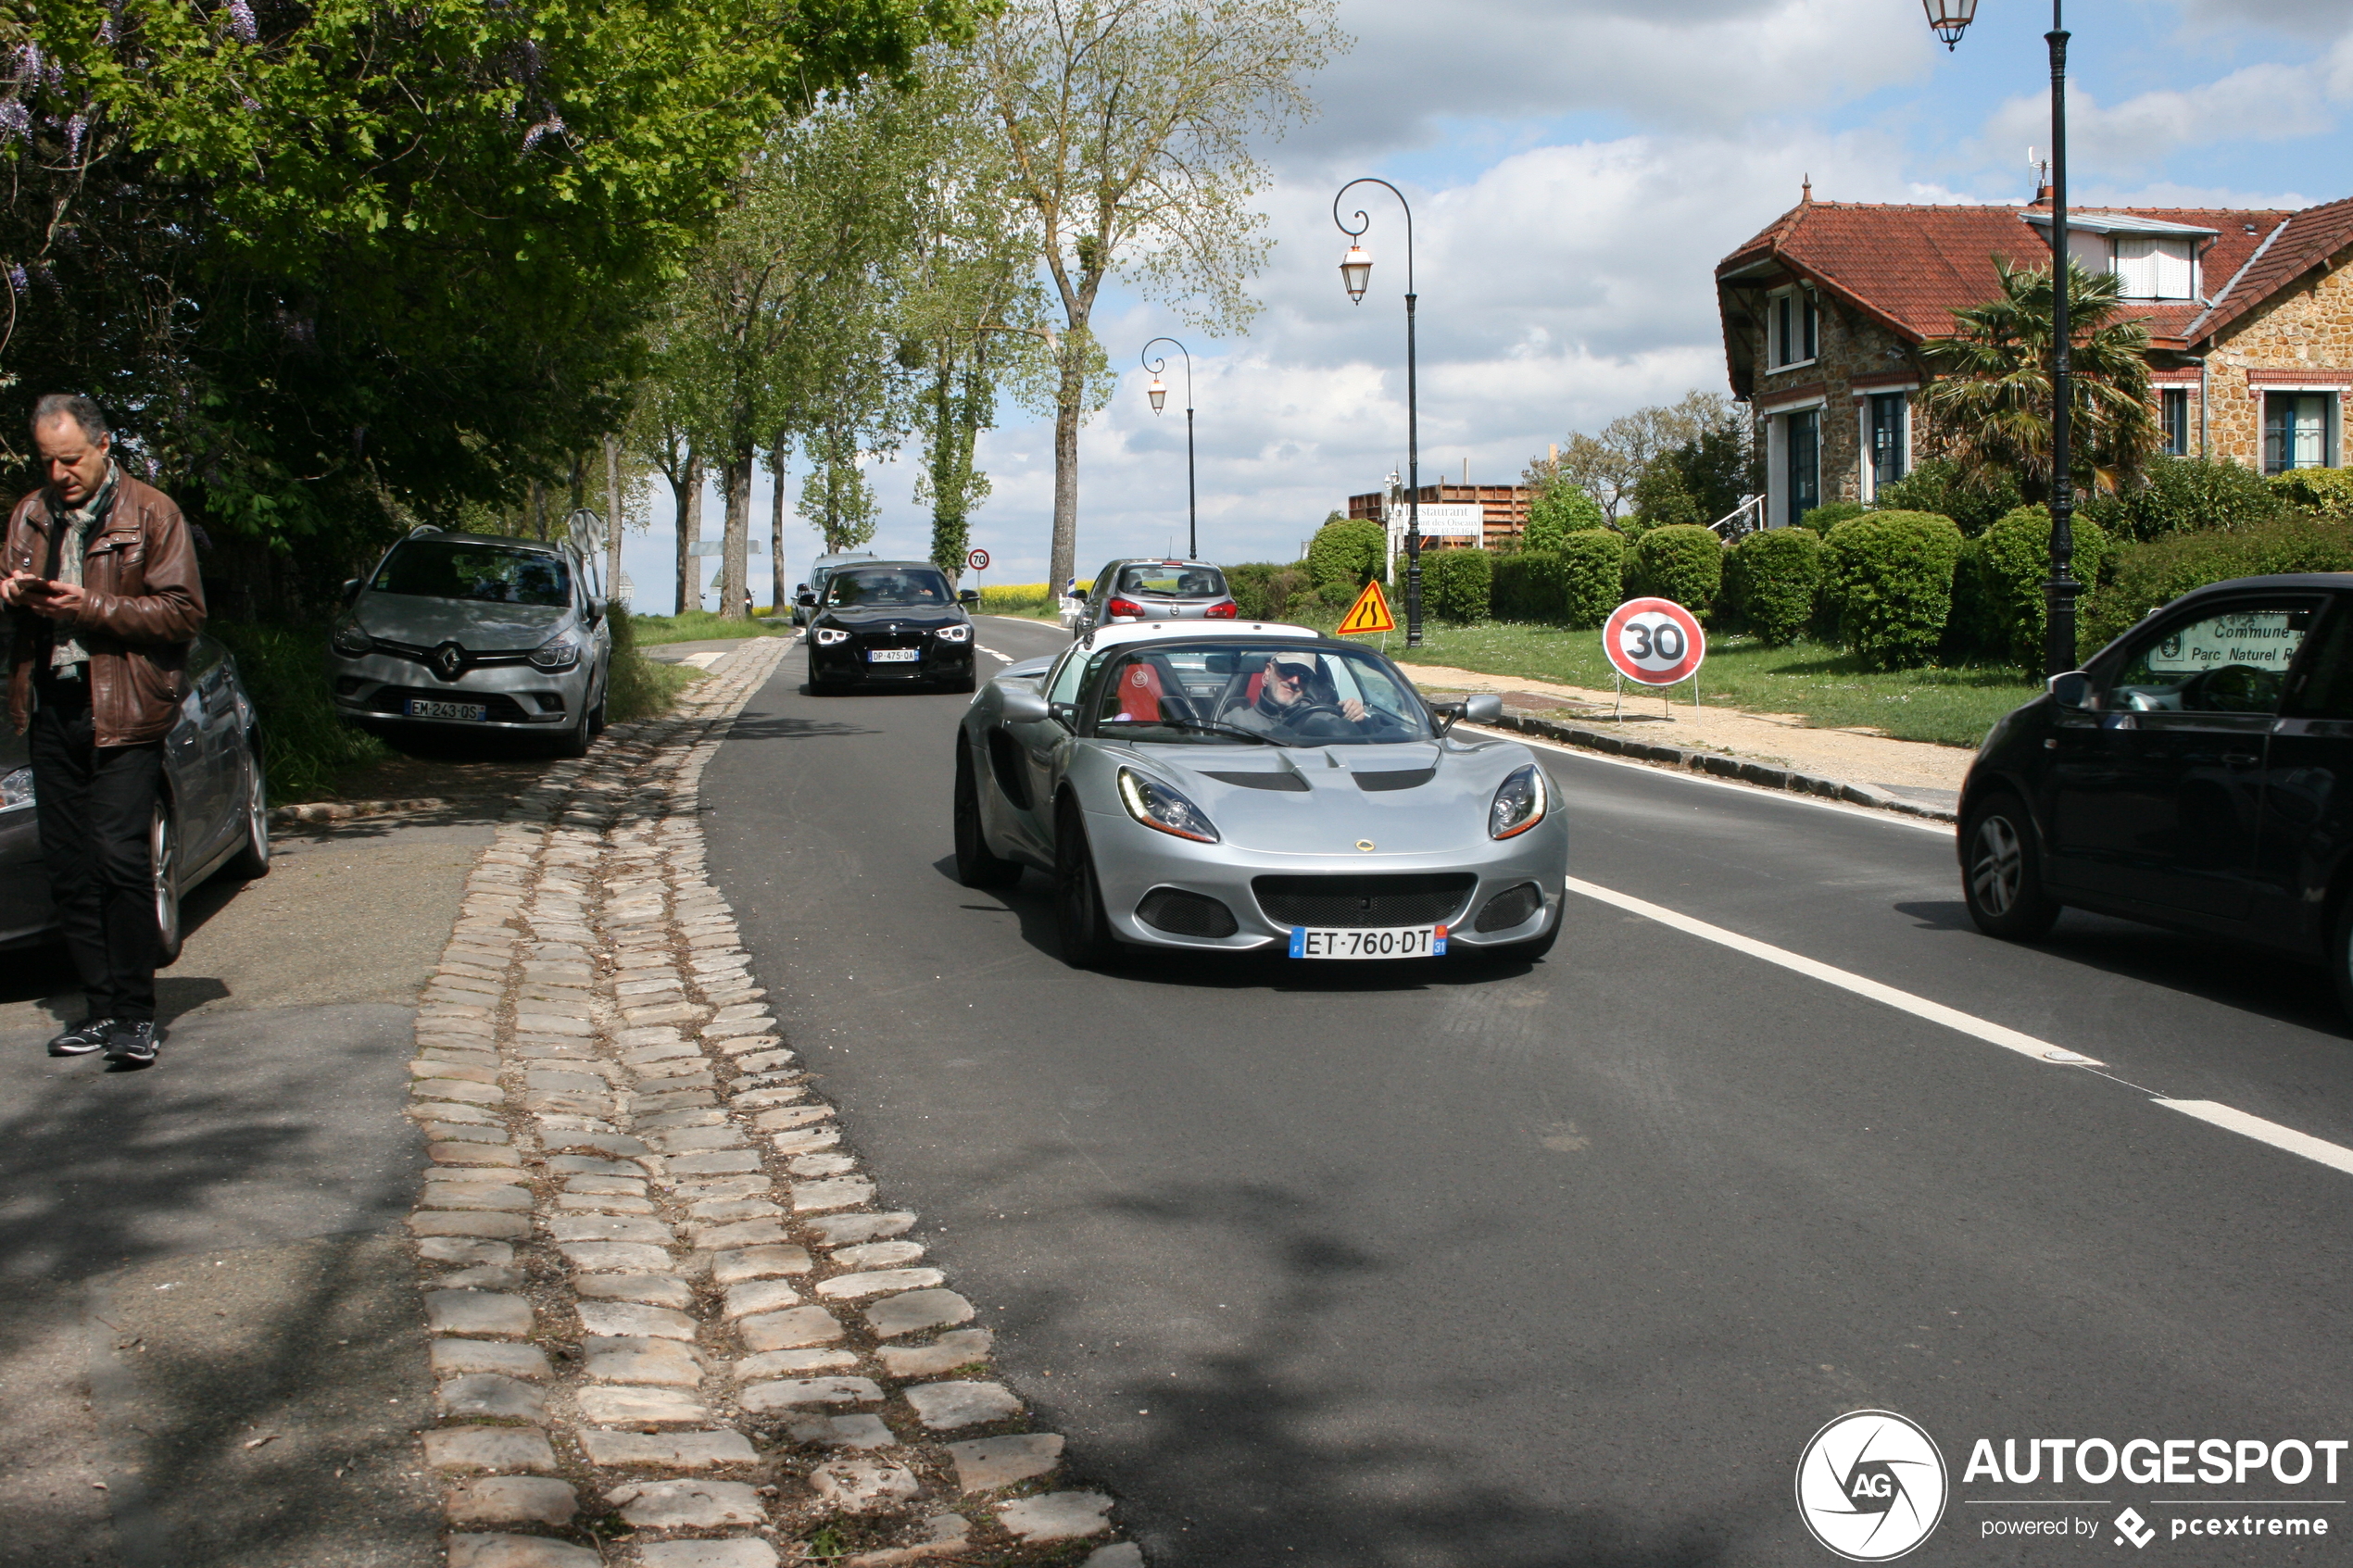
x=420, y=708
x=893, y=656
x=1401, y=942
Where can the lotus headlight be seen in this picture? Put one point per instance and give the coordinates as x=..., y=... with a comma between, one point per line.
x=349, y=638
x=960, y=633
x=828, y=636
x=559, y=652
x=16, y=790
x=1157, y=805
x=1519, y=804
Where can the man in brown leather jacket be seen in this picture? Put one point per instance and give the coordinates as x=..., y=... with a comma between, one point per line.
x=101, y=574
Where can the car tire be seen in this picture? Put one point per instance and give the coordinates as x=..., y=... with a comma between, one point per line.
x=1079, y=920
x=253, y=859
x=597, y=714
x=976, y=864
x=575, y=741
x=1534, y=948
x=2002, y=871
x=970, y=683
x=163, y=870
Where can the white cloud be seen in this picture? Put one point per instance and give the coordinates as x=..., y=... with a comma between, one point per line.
x=2259, y=103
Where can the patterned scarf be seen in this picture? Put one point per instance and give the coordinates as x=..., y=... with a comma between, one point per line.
x=72, y=545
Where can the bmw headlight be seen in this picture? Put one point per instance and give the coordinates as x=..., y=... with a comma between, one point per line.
x=1519, y=804
x=559, y=652
x=16, y=789
x=349, y=638
x=1157, y=805
x=828, y=636
x=961, y=633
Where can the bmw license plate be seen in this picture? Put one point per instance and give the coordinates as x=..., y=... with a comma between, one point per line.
x=893, y=656
x=420, y=708
x=1401, y=942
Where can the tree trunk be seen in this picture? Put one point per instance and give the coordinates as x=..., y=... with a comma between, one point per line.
x=777, y=596
x=689, y=533
x=1067, y=401
x=734, y=579
x=612, y=517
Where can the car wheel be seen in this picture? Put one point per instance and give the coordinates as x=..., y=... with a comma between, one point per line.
x=597, y=714
x=163, y=868
x=971, y=683
x=1535, y=946
x=1080, y=922
x=253, y=861
x=976, y=864
x=2002, y=871
x=575, y=741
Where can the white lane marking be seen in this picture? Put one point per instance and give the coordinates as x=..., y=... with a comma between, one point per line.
x=1000, y=657
x=1904, y=1001
x=2334, y=1156
x=705, y=660
x=1869, y=814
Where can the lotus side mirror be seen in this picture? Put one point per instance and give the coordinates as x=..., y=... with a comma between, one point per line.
x=1483, y=708
x=2071, y=690
x=968, y=595
x=1022, y=704
x=806, y=601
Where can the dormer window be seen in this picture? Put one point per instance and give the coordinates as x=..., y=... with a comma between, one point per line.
x=2149, y=258
x=1793, y=323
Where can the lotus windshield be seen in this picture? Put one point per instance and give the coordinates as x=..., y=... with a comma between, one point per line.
x=870, y=587
x=452, y=569
x=1243, y=693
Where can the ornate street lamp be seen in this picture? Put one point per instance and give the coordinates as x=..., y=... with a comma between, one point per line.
x=2060, y=589
x=1356, y=273
x=1159, y=395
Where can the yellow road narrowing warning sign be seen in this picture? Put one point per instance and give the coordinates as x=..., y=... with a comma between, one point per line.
x=1369, y=614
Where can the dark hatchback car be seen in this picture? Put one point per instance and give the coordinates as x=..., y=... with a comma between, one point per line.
x=2188, y=776
x=889, y=623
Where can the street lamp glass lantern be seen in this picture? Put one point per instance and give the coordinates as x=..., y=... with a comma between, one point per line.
x=1356, y=271
x=1157, y=393
x=1949, y=17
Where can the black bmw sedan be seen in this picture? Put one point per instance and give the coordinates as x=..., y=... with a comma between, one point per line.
x=2187, y=777
x=889, y=623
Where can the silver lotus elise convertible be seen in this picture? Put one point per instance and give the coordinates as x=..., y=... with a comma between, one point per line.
x=1241, y=787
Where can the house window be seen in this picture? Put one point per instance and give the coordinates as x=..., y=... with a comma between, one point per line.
x=1796, y=328
x=1884, y=423
x=2300, y=430
x=2173, y=413
x=1802, y=444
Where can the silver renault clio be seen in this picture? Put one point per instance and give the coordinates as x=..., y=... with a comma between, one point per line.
x=476, y=631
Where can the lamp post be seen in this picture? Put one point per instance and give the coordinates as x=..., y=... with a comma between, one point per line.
x=1949, y=18
x=1159, y=395
x=1356, y=273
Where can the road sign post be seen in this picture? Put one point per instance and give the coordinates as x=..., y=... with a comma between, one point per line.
x=1655, y=643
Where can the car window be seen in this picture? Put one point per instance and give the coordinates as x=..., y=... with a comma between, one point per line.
x=1069, y=678
x=204, y=655
x=1155, y=579
x=865, y=587
x=451, y=569
x=2326, y=691
x=1201, y=695
x=2229, y=660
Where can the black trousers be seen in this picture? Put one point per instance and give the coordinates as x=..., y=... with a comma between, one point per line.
x=95, y=805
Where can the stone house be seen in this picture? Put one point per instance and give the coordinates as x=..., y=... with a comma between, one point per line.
x=2249, y=313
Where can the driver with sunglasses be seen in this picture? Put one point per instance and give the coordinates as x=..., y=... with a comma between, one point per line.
x=1288, y=699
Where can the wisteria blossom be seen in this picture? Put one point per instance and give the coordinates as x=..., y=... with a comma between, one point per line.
x=241, y=20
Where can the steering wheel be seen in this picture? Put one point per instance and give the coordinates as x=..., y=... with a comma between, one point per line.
x=2234, y=688
x=1310, y=719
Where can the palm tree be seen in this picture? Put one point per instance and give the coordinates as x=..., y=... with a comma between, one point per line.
x=1990, y=407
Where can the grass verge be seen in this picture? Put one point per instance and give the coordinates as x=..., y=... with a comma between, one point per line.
x=640, y=688
x=699, y=626
x=306, y=745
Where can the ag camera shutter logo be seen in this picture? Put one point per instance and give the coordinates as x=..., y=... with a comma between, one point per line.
x=1872, y=1486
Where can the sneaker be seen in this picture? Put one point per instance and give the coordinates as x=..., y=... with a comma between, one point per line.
x=133, y=1043
x=85, y=1037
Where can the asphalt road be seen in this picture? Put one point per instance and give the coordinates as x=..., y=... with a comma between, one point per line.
x=1353, y=1265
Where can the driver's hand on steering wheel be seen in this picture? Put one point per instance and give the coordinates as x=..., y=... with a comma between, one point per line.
x=1352, y=710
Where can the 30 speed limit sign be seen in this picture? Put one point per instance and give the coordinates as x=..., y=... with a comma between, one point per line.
x=1657, y=642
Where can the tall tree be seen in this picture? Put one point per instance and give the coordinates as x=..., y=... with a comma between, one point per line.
x=1128, y=128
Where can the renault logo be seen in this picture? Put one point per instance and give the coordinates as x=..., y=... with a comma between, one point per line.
x=449, y=661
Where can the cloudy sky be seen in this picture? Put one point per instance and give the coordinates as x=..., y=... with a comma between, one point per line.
x=1577, y=167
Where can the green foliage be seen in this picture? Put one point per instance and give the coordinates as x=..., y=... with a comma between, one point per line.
x=1771, y=579
x=2147, y=576
x=1661, y=500
x=640, y=688
x=1682, y=562
x=1559, y=509
x=2328, y=492
x=1458, y=585
x=1999, y=609
x=1346, y=553
x=306, y=746
x=694, y=626
x=1270, y=590
x=1888, y=578
x=1971, y=499
x=1829, y=514
x=1592, y=577
x=2184, y=494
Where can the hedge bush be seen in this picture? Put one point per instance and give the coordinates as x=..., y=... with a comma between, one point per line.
x=1346, y=554
x=1999, y=609
x=1527, y=586
x=1770, y=579
x=1271, y=590
x=1681, y=561
x=1458, y=585
x=2148, y=575
x=1937, y=485
x=2181, y=495
x=1829, y=515
x=1558, y=511
x=1888, y=578
x=2326, y=490
x=1576, y=585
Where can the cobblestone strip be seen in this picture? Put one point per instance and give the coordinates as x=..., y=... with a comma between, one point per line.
x=671, y=1325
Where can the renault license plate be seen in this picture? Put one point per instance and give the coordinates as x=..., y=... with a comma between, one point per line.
x=420, y=708
x=893, y=656
x=1398, y=942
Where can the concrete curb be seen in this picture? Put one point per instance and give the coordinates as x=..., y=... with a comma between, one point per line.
x=1762, y=774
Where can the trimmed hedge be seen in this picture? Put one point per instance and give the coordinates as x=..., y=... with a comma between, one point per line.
x=1682, y=561
x=1576, y=585
x=1770, y=579
x=1558, y=511
x=1270, y=590
x=1345, y=555
x=2326, y=490
x=2183, y=495
x=1458, y=585
x=2150, y=575
x=2000, y=611
x=1937, y=485
x=1829, y=514
x=1888, y=577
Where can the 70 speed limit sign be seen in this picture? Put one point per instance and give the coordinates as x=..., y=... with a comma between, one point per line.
x=1657, y=642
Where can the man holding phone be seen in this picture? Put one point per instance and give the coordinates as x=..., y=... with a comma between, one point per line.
x=101, y=576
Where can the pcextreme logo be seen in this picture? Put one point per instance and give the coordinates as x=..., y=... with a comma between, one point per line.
x=1872, y=1486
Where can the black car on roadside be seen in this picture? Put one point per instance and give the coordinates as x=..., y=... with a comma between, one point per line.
x=890, y=625
x=2188, y=776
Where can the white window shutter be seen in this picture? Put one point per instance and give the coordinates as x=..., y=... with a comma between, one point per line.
x=2173, y=276
x=2136, y=267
